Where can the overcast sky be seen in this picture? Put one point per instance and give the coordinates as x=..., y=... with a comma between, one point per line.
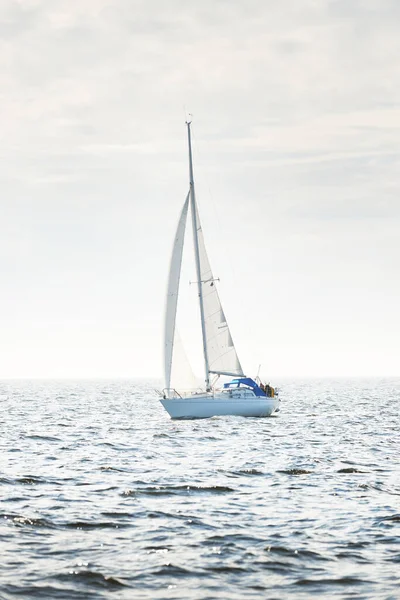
x=296, y=110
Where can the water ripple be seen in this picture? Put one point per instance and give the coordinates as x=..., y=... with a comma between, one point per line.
x=102, y=495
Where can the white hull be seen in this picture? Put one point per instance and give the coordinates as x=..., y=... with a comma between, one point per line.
x=204, y=406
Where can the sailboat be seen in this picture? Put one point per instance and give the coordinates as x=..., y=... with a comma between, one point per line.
x=240, y=395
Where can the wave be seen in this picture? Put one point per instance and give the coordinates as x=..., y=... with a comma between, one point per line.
x=94, y=578
x=22, y=520
x=393, y=518
x=347, y=580
x=295, y=471
x=351, y=470
x=177, y=490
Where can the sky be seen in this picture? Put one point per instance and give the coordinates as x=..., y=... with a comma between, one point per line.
x=296, y=122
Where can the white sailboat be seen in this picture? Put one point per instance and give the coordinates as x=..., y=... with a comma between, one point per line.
x=242, y=396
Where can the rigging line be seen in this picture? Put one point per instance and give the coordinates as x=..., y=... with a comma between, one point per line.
x=214, y=204
x=206, y=290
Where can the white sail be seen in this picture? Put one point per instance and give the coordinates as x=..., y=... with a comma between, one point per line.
x=182, y=377
x=172, y=293
x=222, y=355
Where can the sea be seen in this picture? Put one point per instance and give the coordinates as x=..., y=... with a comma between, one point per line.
x=102, y=495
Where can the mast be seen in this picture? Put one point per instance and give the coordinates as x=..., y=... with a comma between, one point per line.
x=197, y=257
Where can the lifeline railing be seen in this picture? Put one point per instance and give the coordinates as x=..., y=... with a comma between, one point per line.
x=173, y=393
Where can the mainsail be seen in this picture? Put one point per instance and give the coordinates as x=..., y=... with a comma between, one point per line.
x=172, y=293
x=222, y=355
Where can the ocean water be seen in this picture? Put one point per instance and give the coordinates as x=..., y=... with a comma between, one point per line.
x=103, y=496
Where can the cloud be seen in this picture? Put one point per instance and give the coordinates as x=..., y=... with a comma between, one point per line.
x=296, y=118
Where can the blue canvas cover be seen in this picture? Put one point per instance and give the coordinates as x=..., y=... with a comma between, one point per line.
x=247, y=381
